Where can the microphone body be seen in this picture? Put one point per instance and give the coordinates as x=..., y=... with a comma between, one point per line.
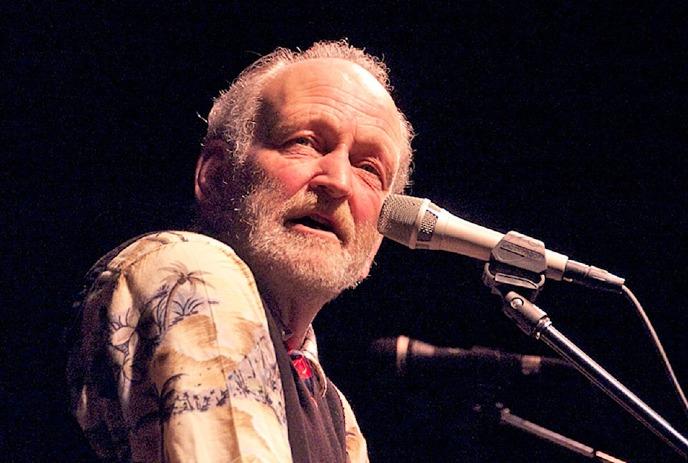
x=410, y=356
x=419, y=224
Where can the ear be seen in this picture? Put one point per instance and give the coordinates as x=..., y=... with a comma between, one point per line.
x=210, y=171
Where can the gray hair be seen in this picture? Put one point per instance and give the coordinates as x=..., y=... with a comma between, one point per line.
x=234, y=112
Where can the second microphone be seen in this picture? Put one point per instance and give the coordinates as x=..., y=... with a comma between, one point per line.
x=410, y=356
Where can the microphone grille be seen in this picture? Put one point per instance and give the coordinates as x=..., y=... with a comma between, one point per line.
x=427, y=225
x=398, y=217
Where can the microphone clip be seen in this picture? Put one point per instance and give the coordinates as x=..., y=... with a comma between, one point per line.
x=517, y=263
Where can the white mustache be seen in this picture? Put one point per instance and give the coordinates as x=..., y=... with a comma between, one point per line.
x=338, y=215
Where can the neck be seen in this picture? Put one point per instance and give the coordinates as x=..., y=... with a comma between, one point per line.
x=292, y=314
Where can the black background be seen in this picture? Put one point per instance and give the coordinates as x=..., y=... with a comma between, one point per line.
x=562, y=120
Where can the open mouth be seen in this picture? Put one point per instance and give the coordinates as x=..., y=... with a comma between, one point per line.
x=314, y=223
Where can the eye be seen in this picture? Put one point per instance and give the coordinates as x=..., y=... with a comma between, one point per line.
x=370, y=168
x=373, y=172
x=302, y=145
x=303, y=141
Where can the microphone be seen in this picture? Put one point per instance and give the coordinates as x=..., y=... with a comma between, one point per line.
x=420, y=224
x=410, y=356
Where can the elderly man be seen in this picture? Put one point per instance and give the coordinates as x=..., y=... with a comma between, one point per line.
x=199, y=347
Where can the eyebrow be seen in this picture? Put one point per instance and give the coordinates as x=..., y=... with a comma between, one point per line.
x=277, y=128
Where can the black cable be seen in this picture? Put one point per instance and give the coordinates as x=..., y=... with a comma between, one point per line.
x=658, y=345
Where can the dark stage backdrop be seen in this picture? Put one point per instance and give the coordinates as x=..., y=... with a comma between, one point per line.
x=562, y=120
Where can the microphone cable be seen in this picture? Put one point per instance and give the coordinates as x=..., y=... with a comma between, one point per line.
x=658, y=346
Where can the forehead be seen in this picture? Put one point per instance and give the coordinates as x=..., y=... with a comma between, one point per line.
x=337, y=83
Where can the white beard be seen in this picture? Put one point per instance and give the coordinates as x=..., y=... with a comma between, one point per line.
x=293, y=263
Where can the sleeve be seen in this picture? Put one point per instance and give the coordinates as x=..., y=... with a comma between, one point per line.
x=190, y=358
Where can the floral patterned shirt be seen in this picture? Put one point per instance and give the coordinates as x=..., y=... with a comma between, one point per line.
x=173, y=360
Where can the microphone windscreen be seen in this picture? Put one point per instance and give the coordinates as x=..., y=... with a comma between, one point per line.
x=398, y=217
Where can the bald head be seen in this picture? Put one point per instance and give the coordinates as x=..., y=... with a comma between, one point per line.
x=340, y=73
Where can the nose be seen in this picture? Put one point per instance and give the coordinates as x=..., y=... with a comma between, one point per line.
x=334, y=173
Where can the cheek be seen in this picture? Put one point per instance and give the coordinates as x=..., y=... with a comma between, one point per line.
x=291, y=176
x=291, y=180
x=365, y=208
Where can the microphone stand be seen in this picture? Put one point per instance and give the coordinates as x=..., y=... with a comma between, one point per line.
x=506, y=275
x=507, y=418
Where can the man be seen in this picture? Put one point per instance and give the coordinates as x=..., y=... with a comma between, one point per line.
x=195, y=348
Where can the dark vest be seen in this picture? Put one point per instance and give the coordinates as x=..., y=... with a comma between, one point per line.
x=315, y=423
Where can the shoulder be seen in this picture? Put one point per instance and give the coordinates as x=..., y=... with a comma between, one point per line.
x=182, y=266
x=169, y=245
x=172, y=253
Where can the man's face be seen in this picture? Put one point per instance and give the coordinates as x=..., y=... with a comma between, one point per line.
x=324, y=157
